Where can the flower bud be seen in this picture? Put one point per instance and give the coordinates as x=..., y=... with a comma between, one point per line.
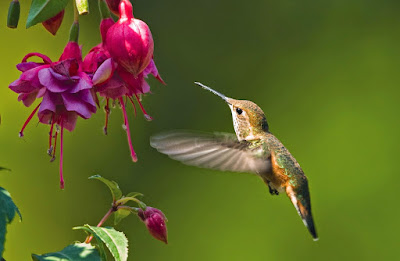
x=154, y=220
x=113, y=5
x=129, y=41
x=13, y=14
x=52, y=24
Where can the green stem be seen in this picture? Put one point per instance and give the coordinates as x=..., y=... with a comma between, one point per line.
x=83, y=6
x=106, y=216
x=74, y=31
x=104, y=11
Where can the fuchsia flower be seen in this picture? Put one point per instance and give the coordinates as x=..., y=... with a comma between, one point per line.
x=112, y=79
x=154, y=220
x=129, y=41
x=53, y=24
x=113, y=5
x=65, y=91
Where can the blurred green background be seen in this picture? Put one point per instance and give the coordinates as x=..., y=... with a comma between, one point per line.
x=326, y=73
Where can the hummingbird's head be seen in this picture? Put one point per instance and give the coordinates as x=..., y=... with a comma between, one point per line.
x=249, y=120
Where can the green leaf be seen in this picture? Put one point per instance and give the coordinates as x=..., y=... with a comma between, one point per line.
x=7, y=214
x=120, y=214
x=2, y=168
x=112, y=185
x=75, y=252
x=134, y=194
x=41, y=10
x=115, y=241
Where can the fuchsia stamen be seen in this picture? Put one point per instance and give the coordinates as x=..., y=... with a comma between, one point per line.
x=133, y=104
x=107, y=109
x=147, y=116
x=21, y=133
x=128, y=133
x=54, y=148
x=61, y=154
x=49, y=151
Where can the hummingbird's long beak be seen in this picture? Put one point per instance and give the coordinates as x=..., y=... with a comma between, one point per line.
x=211, y=90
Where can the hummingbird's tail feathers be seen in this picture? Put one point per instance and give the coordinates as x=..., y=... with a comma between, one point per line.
x=303, y=207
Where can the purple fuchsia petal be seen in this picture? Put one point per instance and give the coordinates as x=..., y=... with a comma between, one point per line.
x=19, y=86
x=84, y=83
x=27, y=98
x=87, y=96
x=51, y=83
x=70, y=119
x=134, y=84
x=27, y=66
x=49, y=103
x=73, y=102
x=152, y=69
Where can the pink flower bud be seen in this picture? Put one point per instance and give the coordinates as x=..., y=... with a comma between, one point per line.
x=129, y=41
x=52, y=24
x=113, y=5
x=154, y=220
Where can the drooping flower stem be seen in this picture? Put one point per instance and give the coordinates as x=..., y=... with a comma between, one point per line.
x=61, y=154
x=106, y=216
x=21, y=133
x=74, y=31
x=128, y=133
x=104, y=11
x=76, y=12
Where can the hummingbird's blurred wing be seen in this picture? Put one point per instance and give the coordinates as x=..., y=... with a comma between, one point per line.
x=220, y=151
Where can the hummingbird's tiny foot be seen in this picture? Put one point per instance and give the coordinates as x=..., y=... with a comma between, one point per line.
x=272, y=191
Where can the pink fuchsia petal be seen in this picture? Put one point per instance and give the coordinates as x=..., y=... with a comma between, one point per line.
x=72, y=50
x=136, y=84
x=104, y=72
x=152, y=69
x=129, y=41
x=96, y=56
x=105, y=24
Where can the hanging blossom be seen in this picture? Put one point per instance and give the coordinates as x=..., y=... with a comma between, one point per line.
x=154, y=220
x=65, y=92
x=120, y=64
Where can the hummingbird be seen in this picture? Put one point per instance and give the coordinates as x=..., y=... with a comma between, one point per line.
x=254, y=149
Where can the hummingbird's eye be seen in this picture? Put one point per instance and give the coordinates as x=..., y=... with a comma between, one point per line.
x=239, y=111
